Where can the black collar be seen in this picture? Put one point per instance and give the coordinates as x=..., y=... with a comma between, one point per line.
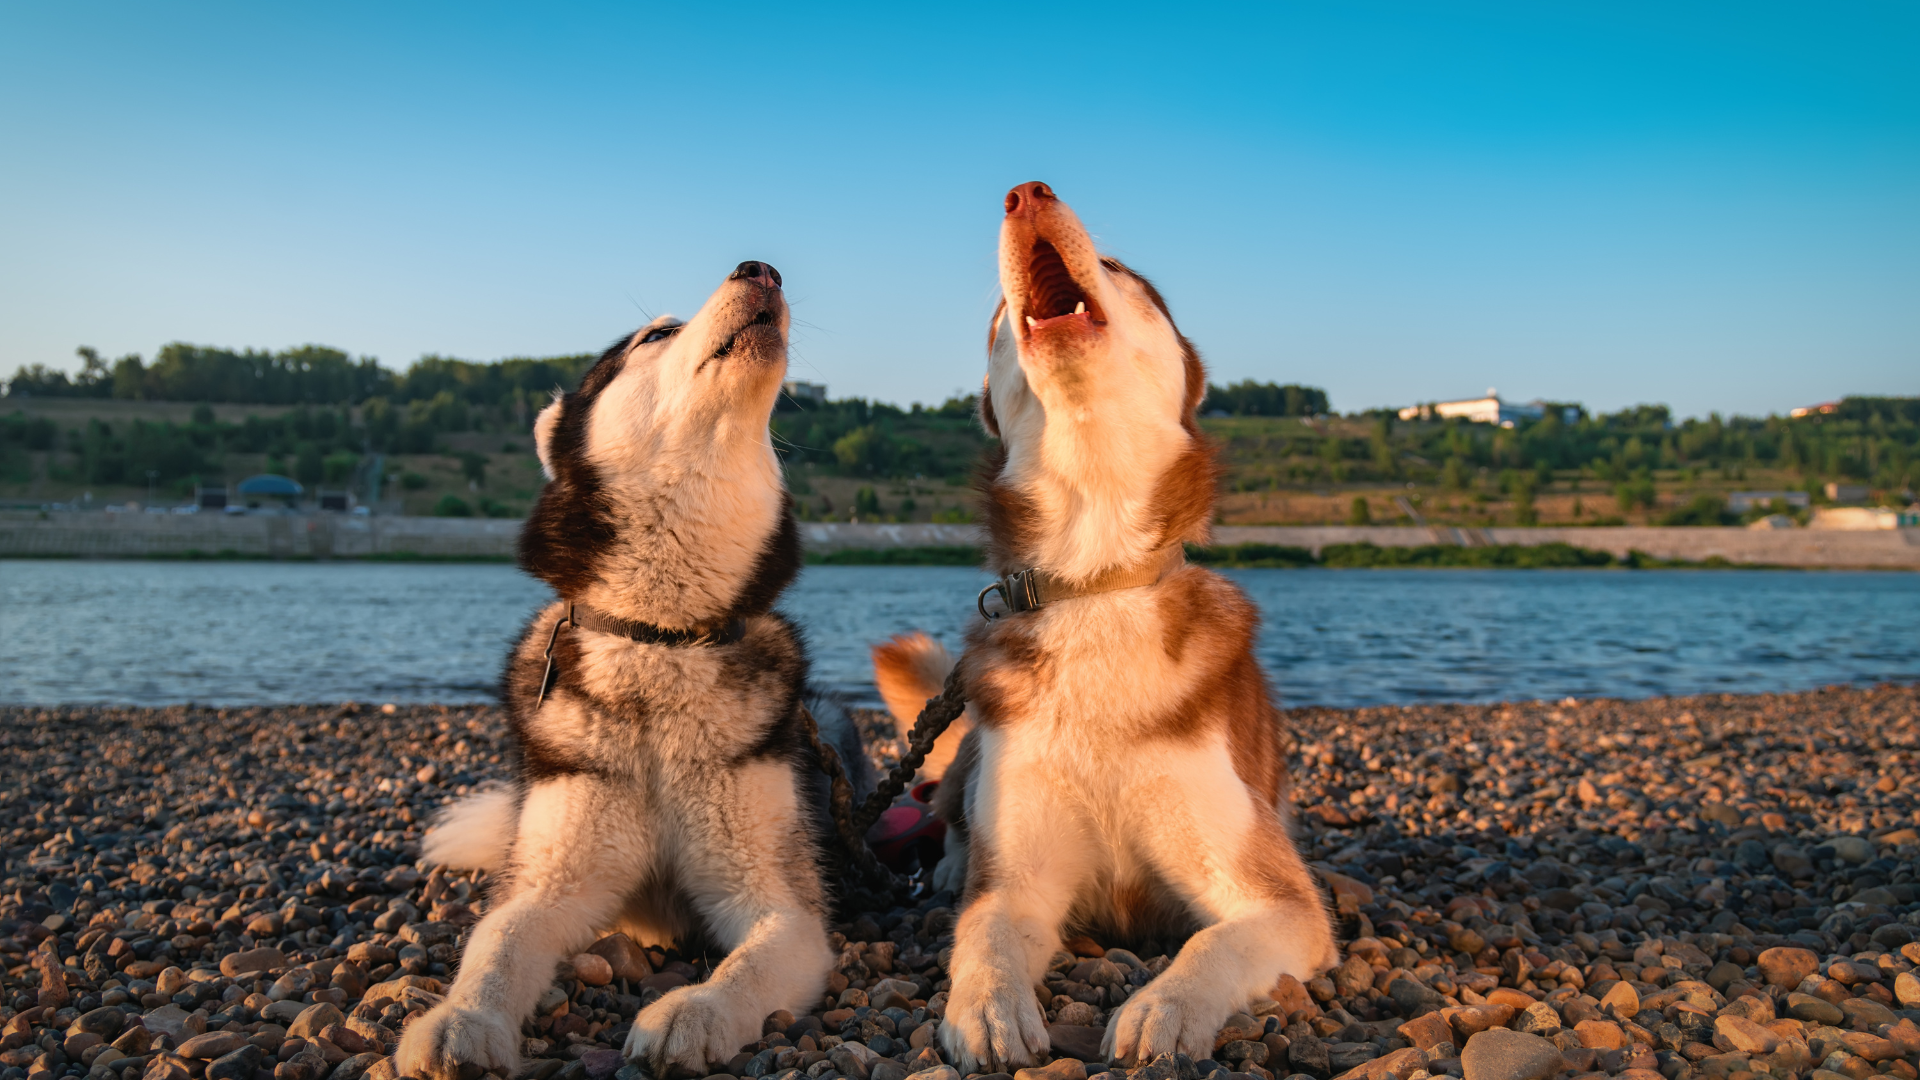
x=723, y=633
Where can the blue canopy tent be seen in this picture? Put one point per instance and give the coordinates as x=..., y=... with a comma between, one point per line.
x=271, y=486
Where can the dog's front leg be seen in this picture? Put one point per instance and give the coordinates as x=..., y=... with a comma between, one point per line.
x=1266, y=918
x=1026, y=862
x=750, y=872
x=578, y=849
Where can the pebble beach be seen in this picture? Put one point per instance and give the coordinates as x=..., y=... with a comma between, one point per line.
x=1718, y=886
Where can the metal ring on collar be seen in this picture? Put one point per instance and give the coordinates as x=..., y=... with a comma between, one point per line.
x=981, y=601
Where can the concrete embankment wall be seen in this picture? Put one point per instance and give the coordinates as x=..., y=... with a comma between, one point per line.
x=1884, y=549
x=268, y=536
x=321, y=536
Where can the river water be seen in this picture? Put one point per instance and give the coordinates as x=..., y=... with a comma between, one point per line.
x=152, y=633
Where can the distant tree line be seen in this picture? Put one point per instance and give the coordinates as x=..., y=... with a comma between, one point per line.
x=314, y=446
x=347, y=406
x=1249, y=398
x=436, y=394
x=1865, y=439
x=857, y=437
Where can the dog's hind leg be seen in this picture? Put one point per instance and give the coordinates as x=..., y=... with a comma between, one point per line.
x=752, y=877
x=580, y=847
x=1025, y=863
x=1207, y=836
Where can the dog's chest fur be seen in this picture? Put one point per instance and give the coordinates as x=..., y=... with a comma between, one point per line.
x=655, y=716
x=1124, y=712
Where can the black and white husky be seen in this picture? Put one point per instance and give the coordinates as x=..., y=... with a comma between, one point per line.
x=667, y=787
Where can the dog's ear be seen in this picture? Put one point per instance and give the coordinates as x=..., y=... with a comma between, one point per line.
x=543, y=426
x=987, y=419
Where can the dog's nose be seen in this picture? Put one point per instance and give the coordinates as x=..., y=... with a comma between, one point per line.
x=1028, y=197
x=762, y=273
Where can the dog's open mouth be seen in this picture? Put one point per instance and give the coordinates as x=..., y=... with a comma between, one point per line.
x=764, y=317
x=1053, y=297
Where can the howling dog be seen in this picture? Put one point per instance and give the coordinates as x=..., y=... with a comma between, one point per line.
x=1124, y=771
x=667, y=786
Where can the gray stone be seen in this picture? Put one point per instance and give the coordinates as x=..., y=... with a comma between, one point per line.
x=106, y=1022
x=237, y=1065
x=314, y=1019
x=1343, y=1056
x=602, y=1064
x=353, y=1068
x=1414, y=999
x=1538, y=1019
x=1792, y=862
x=212, y=1045
x=283, y=1012
x=1500, y=1054
x=1074, y=1041
x=1851, y=849
x=174, y=1022
x=1306, y=1051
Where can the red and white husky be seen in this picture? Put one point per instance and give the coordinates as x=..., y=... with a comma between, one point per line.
x=1124, y=773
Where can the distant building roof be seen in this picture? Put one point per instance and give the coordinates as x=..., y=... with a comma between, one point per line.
x=1483, y=410
x=1741, y=501
x=269, y=484
x=805, y=391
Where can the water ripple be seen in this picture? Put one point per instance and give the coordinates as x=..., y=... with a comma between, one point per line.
x=261, y=633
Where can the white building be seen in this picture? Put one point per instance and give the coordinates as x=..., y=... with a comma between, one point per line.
x=1742, y=501
x=805, y=391
x=1485, y=410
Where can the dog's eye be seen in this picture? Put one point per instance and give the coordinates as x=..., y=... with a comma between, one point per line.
x=660, y=333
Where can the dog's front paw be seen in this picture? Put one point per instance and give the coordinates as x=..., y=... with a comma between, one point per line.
x=690, y=1026
x=1161, y=1018
x=436, y=1045
x=989, y=1029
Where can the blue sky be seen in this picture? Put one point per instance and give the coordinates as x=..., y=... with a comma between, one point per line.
x=1716, y=206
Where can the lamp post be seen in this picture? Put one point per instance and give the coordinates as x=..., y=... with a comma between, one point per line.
x=151, y=476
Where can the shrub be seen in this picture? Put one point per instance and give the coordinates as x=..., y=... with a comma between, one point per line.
x=1634, y=493
x=1537, y=556
x=452, y=506
x=949, y=555
x=338, y=468
x=309, y=467
x=413, y=481
x=1703, y=510
x=1251, y=555
x=474, y=467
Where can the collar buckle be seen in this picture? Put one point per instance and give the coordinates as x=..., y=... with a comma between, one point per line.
x=1019, y=591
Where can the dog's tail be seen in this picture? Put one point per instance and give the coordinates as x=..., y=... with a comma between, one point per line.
x=909, y=669
x=476, y=832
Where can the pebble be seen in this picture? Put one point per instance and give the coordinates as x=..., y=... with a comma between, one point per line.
x=592, y=969
x=313, y=1019
x=625, y=959
x=1499, y=1054
x=213, y=1044
x=1061, y=1068
x=1786, y=966
x=1634, y=889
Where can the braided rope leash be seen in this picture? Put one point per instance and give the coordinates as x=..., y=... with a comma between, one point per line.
x=869, y=885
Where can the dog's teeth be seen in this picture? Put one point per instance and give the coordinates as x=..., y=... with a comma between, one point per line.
x=1032, y=322
x=1080, y=308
